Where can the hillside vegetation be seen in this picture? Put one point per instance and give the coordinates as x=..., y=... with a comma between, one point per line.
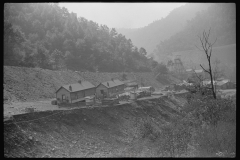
x=160, y=30
x=219, y=17
x=47, y=36
x=24, y=84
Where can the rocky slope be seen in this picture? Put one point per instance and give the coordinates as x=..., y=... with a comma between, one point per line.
x=130, y=130
x=27, y=84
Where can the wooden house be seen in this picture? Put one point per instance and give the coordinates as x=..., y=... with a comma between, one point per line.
x=76, y=92
x=109, y=88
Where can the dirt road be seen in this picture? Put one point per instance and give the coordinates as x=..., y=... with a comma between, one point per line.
x=16, y=108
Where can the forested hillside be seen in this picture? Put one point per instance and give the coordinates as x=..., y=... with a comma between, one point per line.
x=47, y=36
x=219, y=17
x=160, y=30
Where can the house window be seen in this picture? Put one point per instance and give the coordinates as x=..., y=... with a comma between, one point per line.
x=102, y=92
x=63, y=97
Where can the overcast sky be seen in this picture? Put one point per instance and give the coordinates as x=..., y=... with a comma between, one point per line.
x=122, y=15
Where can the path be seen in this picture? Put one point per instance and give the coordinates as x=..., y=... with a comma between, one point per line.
x=19, y=107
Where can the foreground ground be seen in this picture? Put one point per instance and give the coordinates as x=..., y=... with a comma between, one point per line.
x=120, y=131
x=144, y=128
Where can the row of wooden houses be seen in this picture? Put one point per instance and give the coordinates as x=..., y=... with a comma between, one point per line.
x=77, y=92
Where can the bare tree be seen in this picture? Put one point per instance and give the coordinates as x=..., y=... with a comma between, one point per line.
x=207, y=48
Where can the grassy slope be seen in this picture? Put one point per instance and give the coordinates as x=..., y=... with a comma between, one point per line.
x=22, y=83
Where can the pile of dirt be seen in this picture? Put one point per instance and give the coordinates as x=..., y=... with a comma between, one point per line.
x=29, y=84
x=130, y=130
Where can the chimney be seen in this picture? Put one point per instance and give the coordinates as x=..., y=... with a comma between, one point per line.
x=107, y=83
x=70, y=88
x=80, y=81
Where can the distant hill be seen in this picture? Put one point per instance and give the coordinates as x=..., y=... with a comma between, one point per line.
x=148, y=37
x=219, y=17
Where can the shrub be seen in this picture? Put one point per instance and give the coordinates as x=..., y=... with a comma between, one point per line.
x=214, y=121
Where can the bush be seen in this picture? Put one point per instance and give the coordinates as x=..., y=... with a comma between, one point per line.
x=219, y=138
x=214, y=121
x=174, y=139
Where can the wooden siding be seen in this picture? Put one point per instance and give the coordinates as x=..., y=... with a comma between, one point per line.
x=74, y=96
x=90, y=92
x=61, y=92
x=98, y=90
x=116, y=90
x=80, y=95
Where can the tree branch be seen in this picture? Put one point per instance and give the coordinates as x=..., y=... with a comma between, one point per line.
x=214, y=41
x=197, y=76
x=198, y=48
x=204, y=69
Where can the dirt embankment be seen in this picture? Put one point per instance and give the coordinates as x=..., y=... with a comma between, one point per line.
x=29, y=84
x=131, y=130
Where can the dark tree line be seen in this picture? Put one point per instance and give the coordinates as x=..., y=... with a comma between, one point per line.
x=48, y=36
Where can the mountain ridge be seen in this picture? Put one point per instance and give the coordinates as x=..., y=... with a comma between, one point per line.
x=149, y=36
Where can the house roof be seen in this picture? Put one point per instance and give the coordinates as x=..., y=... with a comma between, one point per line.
x=128, y=81
x=112, y=83
x=223, y=82
x=78, y=86
x=208, y=82
x=219, y=83
x=131, y=84
x=198, y=70
x=188, y=70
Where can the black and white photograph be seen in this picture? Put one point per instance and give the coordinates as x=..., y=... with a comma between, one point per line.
x=119, y=79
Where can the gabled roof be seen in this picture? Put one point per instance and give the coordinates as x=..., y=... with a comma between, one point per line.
x=112, y=83
x=78, y=86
